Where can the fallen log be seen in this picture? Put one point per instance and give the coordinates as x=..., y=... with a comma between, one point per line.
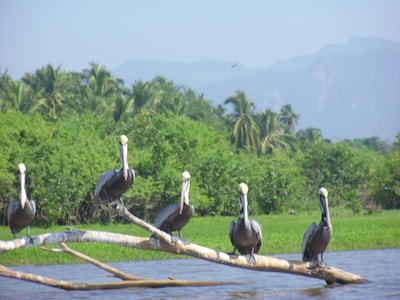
x=129, y=280
x=167, y=243
x=67, y=285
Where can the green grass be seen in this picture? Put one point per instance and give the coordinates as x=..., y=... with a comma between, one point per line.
x=281, y=234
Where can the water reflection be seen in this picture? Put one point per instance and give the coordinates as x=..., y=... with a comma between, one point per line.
x=381, y=267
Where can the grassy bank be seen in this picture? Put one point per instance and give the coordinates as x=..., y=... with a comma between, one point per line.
x=281, y=234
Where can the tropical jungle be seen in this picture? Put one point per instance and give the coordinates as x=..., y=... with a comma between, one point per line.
x=65, y=127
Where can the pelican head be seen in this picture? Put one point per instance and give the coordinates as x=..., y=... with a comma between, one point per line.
x=22, y=178
x=323, y=192
x=123, y=141
x=185, y=190
x=21, y=168
x=243, y=190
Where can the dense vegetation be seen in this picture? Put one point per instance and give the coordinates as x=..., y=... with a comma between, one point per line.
x=65, y=126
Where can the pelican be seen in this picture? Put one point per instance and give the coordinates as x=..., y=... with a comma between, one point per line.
x=175, y=216
x=112, y=184
x=317, y=237
x=21, y=213
x=245, y=234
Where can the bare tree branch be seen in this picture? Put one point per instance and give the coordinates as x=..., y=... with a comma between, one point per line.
x=114, y=271
x=167, y=243
x=67, y=285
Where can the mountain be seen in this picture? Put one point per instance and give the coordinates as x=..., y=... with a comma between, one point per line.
x=194, y=75
x=348, y=91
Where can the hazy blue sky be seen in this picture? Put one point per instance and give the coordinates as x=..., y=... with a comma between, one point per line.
x=73, y=33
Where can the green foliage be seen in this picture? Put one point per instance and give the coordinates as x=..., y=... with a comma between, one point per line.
x=384, y=186
x=63, y=160
x=64, y=126
x=337, y=167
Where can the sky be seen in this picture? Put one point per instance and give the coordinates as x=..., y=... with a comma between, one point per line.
x=73, y=33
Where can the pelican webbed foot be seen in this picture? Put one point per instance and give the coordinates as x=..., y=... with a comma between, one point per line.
x=252, y=258
x=313, y=264
x=174, y=239
x=119, y=206
x=323, y=265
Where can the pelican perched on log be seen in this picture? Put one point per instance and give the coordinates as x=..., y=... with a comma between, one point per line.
x=112, y=184
x=317, y=237
x=21, y=213
x=175, y=216
x=245, y=234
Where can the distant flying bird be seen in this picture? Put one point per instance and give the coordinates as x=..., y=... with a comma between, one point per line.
x=21, y=213
x=234, y=65
x=245, y=234
x=175, y=216
x=317, y=237
x=112, y=184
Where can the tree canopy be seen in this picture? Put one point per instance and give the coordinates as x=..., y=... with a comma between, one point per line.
x=65, y=126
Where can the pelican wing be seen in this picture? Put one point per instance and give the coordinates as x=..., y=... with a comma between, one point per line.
x=306, y=237
x=33, y=204
x=167, y=213
x=231, y=227
x=101, y=182
x=12, y=207
x=257, y=230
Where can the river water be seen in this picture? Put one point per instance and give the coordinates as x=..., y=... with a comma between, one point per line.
x=380, y=267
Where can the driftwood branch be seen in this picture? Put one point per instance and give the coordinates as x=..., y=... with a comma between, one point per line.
x=263, y=263
x=129, y=280
x=67, y=285
x=167, y=243
x=117, y=273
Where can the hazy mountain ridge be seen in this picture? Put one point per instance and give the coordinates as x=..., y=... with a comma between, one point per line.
x=349, y=91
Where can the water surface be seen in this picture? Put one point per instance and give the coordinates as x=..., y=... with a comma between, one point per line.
x=380, y=267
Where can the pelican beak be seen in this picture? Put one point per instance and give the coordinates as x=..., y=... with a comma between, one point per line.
x=23, y=196
x=184, y=195
x=245, y=213
x=181, y=204
x=124, y=153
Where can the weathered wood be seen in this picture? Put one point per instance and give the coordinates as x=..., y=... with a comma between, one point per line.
x=263, y=263
x=166, y=243
x=67, y=285
x=117, y=273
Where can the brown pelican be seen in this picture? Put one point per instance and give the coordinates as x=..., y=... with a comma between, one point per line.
x=112, y=184
x=174, y=216
x=317, y=237
x=21, y=213
x=245, y=234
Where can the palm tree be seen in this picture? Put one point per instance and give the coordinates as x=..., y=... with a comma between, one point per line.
x=101, y=90
x=245, y=130
x=100, y=81
x=14, y=95
x=272, y=135
x=143, y=95
x=309, y=136
x=169, y=95
x=200, y=109
x=51, y=87
x=288, y=118
x=122, y=107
